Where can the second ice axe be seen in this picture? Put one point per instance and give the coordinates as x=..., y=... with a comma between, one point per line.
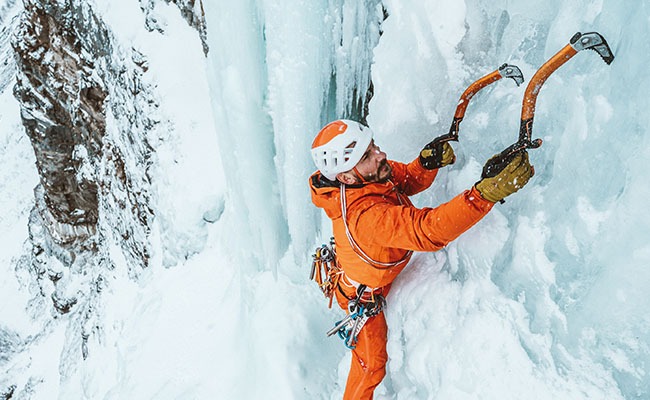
x=580, y=41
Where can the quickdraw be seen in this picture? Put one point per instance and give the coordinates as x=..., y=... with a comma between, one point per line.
x=325, y=270
x=359, y=312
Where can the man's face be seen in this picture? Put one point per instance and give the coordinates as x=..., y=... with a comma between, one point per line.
x=373, y=166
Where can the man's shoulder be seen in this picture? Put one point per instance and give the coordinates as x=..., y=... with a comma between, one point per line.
x=371, y=194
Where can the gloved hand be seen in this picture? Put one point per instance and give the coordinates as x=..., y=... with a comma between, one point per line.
x=437, y=155
x=506, y=181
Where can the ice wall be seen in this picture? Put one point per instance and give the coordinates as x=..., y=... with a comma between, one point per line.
x=278, y=72
x=302, y=64
x=543, y=298
x=539, y=262
x=546, y=293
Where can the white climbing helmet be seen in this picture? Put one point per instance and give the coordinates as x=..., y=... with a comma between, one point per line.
x=339, y=146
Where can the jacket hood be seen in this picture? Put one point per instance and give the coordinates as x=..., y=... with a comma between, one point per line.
x=325, y=194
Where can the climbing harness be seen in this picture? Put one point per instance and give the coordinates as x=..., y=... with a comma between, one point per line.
x=359, y=312
x=329, y=276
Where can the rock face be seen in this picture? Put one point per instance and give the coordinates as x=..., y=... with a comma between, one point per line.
x=70, y=79
x=63, y=113
x=90, y=118
x=194, y=14
x=71, y=76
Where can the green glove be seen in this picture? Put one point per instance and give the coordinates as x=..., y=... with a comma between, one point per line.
x=437, y=155
x=512, y=177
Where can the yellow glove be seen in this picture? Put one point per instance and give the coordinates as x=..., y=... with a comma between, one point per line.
x=510, y=179
x=437, y=155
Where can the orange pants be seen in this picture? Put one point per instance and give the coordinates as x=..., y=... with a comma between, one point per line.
x=369, y=358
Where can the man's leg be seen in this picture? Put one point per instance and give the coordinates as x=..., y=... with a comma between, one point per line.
x=368, y=360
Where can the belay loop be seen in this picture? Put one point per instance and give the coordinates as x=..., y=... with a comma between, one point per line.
x=324, y=269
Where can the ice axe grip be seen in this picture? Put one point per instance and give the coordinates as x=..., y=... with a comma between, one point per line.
x=498, y=162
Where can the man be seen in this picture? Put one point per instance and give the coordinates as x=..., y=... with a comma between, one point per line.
x=376, y=227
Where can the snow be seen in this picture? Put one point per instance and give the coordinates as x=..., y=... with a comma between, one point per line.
x=18, y=177
x=543, y=299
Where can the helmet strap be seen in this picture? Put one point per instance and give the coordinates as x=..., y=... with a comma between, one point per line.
x=356, y=171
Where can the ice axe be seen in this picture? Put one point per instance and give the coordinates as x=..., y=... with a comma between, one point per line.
x=580, y=41
x=504, y=71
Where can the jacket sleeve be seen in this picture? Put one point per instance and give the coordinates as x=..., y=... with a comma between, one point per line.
x=412, y=178
x=376, y=222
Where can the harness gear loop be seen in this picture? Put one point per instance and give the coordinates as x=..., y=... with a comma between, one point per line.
x=325, y=270
x=357, y=249
x=359, y=312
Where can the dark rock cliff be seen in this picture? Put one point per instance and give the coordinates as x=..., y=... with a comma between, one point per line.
x=93, y=122
x=90, y=117
x=63, y=113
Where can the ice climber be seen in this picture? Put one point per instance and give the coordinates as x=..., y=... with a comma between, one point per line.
x=376, y=228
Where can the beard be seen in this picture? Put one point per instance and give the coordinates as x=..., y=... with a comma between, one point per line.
x=383, y=174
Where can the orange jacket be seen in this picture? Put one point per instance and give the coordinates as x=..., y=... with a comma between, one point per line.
x=384, y=223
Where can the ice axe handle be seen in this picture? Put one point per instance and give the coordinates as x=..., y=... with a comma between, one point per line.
x=504, y=71
x=452, y=135
x=525, y=136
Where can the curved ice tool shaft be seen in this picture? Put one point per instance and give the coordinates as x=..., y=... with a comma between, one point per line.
x=504, y=71
x=579, y=41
